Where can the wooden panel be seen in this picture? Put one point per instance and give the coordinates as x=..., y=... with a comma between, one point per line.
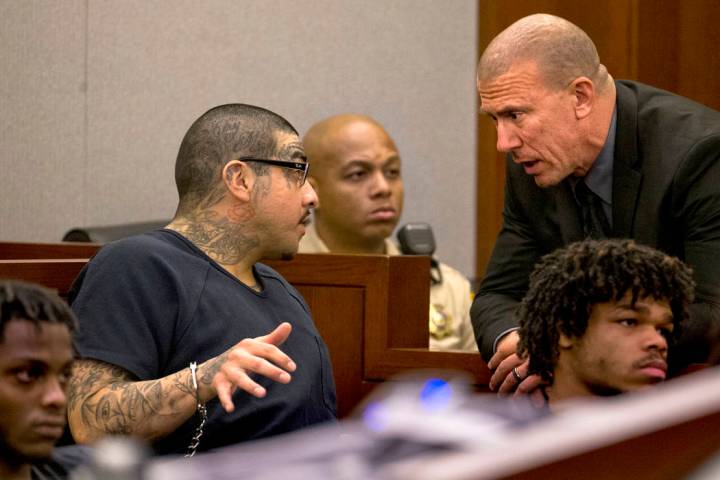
x=657, y=53
x=57, y=274
x=371, y=310
x=395, y=319
x=393, y=361
x=24, y=250
x=338, y=314
x=392, y=286
x=408, y=302
x=678, y=47
x=699, y=55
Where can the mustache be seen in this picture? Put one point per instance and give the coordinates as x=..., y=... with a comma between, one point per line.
x=653, y=358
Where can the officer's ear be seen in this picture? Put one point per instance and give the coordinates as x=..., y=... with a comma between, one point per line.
x=238, y=179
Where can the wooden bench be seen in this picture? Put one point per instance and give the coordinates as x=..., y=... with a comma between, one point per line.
x=26, y=250
x=371, y=311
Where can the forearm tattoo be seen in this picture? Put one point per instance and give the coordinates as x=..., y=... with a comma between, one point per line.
x=105, y=399
x=209, y=369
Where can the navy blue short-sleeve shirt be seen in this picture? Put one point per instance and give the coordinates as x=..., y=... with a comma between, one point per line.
x=153, y=303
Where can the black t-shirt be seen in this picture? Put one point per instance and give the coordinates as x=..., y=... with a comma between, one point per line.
x=153, y=303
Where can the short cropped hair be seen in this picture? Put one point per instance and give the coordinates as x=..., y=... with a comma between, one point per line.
x=27, y=301
x=221, y=134
x=561, y=49
x=566, y=284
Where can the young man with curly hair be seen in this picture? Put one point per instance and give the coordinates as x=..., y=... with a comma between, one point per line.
x=36, y=355
x=599, y=317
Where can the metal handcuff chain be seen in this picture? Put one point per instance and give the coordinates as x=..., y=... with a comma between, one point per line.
x=201, y=409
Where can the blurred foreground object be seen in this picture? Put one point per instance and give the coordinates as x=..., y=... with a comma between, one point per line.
x=433, y=429
x=423, y=415
x=114, y=458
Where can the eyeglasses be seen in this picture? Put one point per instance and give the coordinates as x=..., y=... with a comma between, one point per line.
x=303, y=167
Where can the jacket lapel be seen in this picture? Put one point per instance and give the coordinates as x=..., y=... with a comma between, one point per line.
x=627, y=177
x=569, y=225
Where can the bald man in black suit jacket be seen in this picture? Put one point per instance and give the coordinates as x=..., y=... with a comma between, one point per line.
x=650, y=158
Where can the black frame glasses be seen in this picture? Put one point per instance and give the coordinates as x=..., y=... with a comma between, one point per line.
x=304, y=167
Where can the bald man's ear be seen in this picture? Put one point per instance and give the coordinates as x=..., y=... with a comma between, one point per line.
x=583, y=91
x=238, y=179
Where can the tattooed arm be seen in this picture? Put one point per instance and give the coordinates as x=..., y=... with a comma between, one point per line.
x=106, y=399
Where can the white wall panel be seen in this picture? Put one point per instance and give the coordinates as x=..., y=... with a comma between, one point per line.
x=153, y=67
x=42, y=105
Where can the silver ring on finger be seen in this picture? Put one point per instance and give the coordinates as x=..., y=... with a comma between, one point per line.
x=516, y=375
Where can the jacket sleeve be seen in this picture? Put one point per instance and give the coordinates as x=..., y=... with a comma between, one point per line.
x=506, y=280
x=696, y=210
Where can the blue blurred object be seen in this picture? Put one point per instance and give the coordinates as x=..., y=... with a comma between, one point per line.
x=421, y=415
x=463, y=435
x=436, y=394
x=375, y=416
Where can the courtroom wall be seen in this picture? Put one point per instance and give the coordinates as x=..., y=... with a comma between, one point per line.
x=96, y=95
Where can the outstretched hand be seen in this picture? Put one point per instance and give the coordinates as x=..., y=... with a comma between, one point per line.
x=259, y=355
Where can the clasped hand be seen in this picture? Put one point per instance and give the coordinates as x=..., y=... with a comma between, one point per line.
x=502, y=364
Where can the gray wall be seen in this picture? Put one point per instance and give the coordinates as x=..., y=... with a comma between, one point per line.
x=96, y=96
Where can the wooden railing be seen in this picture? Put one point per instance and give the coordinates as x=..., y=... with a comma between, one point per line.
x=371, y=310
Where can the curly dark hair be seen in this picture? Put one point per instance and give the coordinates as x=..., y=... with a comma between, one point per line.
x=566, y=284
x=27, y=301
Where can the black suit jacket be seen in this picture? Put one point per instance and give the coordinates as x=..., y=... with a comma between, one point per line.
x=666, y=194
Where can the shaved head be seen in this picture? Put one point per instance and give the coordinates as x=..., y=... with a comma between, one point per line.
x=326, y=141
x=355, y=170
x=562, y=51
x=221, y=134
